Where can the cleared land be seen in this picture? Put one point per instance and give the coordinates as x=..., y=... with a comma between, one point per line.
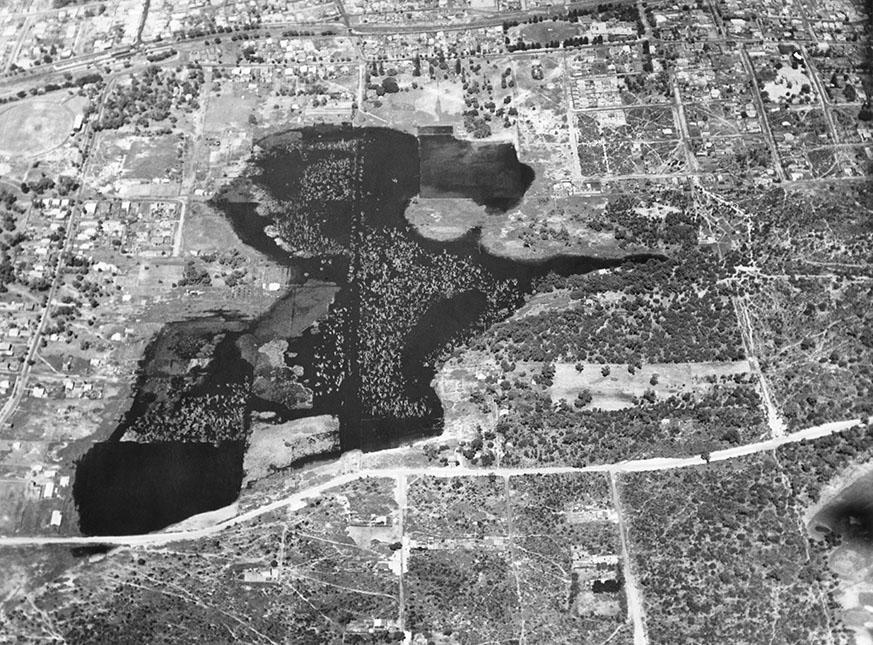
x=34, y=127
x=619, y=388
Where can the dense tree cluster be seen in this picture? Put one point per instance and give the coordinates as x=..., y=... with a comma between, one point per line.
x=192, y=385
x=809, y=300
x=659, y=311
x=458, y=507
x=194, y=275
x=812, y=465
x=471, y=592
x=151, y=97
x=721, y=555
x=395, y=295
x=536, y=430
x=816, y=347
x=625, y=215
x=306, y=218
x=10, y=210
x=214, y=417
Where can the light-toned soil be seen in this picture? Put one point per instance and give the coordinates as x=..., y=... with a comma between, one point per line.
x=272, y=447
x=620, y=387
x=445, y=219
x=453, y=384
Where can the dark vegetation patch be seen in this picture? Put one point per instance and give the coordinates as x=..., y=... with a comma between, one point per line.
x=815, y=340
x=193, y=385
x=668, y=311
x=10, y=212
x=534, y=430
x=721, y=555
x=470, y=592
x=633, y=220
x=151, y=97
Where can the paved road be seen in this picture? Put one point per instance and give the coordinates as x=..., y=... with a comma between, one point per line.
x=299, y=499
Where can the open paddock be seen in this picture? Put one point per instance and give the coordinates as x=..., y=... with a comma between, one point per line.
x=31, y=128
x=619, y=388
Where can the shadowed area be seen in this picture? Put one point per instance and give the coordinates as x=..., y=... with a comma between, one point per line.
x=126, y=487
x=489, y=174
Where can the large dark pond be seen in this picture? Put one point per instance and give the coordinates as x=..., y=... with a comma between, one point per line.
x=126, y=487
x=400, y=303
x=488, y=174
x=849, y=514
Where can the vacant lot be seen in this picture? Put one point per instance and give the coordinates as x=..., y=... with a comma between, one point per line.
x=153, y=158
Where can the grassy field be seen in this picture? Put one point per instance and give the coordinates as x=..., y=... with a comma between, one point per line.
x=547, y=31
x=230, y=109
x=618, y=389
x=152, y=158
x=31, y=128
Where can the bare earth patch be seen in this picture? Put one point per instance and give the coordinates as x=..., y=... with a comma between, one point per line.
x=454, y=384
x=272, y=447
x=619, y=387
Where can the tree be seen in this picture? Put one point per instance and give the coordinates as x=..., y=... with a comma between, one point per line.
x=583, y=398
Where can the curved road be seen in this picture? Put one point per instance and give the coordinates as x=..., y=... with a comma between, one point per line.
x=299, y=499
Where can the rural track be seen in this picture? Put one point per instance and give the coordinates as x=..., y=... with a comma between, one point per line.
x=299, y=499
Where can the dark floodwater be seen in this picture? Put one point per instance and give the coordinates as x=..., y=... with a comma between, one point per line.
x=444, y=319
x=849, y=514
x=489, y=174
x=249, y=227
x=125, y=487
x=403, y=301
